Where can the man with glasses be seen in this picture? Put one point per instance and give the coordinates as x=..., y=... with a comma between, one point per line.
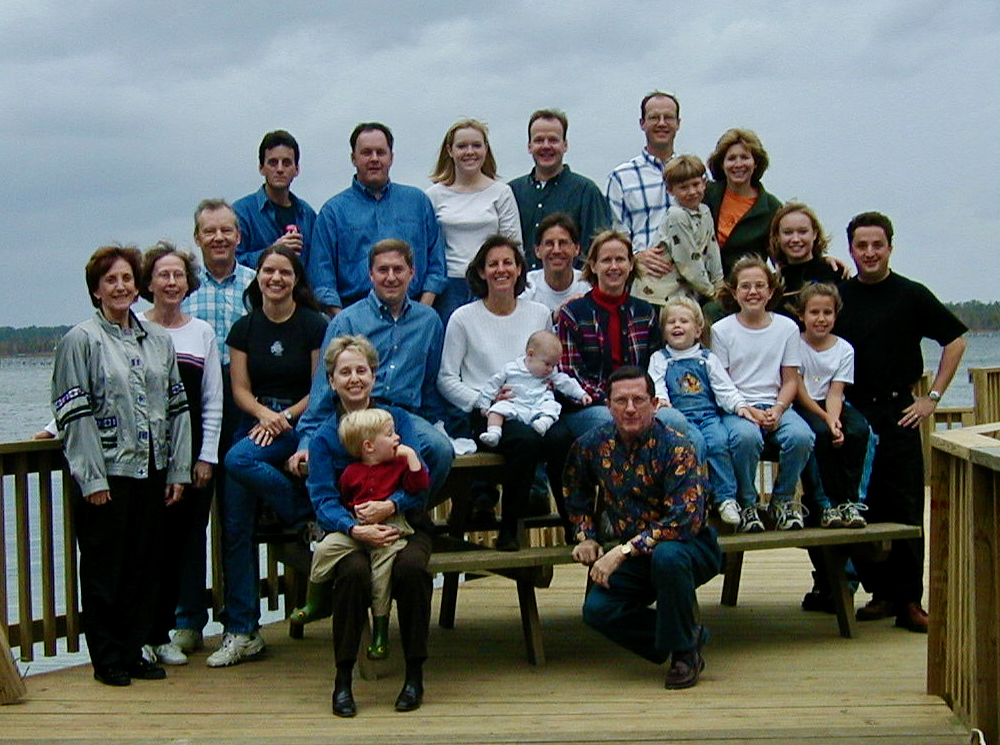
x=636, y=497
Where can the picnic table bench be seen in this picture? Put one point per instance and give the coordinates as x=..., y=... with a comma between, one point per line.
x=531, y=567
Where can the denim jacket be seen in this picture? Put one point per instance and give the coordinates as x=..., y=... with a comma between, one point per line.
x=118, y=400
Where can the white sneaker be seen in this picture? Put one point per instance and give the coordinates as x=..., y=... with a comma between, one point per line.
x=188, y=640
x=788, y=516
x=171, y=654
x=148, y=654
x=235, y=649
x=729, y=511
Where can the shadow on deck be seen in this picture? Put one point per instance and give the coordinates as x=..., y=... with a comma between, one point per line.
x=775, y=675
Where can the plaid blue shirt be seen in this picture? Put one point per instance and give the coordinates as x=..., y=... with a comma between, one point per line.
x=220, y=304
x=638, y=198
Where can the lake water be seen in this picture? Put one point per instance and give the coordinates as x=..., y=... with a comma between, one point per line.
x=24, y=409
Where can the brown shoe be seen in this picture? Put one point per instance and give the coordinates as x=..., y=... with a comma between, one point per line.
x=876, y=610
x=913, y=618
x=684, y=672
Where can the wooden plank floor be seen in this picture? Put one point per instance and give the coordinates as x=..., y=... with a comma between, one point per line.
x=775, y=675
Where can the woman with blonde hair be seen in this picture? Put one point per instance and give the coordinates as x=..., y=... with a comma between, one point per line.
x=470, y=205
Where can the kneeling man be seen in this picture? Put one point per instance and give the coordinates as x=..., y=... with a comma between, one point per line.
x=652, y=495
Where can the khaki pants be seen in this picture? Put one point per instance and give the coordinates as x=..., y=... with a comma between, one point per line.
x=335, y=546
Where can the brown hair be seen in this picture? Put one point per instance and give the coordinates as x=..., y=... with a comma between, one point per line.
x=819, y=289
x=749, y=139
x=683, y=168
x=355, y=342
x=100, y=263
x=727, y=295
x=594, y=251
x=478, y=264
x=157, y=252
x=774, y=241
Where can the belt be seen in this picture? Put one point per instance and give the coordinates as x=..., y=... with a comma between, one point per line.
x=903, y=397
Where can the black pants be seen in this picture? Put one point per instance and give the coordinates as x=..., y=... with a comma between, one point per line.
x=521, y=447
x=411, y=589
x=119, y=565
x=895, y=494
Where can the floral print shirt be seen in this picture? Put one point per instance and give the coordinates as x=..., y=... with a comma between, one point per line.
x=652, y=489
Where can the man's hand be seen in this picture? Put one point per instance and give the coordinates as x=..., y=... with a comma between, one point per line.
x=99, y=497
x=603, y=568
x=653, y=261
x=201, y=474
x=916, y=412
x=587, y=552
x=376, y=536
x=296, y=461
x=291, y=241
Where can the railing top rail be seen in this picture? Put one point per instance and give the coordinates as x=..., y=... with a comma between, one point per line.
x=979, y=444
x=29, y=446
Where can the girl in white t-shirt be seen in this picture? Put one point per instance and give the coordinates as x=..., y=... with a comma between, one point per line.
x=760, y=351
x=843, y=438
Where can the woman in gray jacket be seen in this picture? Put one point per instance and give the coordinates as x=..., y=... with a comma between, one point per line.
x=120, y=406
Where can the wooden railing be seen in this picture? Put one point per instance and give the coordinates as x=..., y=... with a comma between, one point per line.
x=986, y=394
x=36, y=472
x=963, y=648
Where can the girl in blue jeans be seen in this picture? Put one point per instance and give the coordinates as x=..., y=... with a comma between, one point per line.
x=760, y=351
x=693, y=381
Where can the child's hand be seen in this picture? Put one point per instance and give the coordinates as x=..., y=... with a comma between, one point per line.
x=412, y=459
x=836, y=430
x=757, y=416
x=586, y=400
x=747, y=413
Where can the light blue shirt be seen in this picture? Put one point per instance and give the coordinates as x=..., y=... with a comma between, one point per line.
x=351, y=222
x=259, y=229
x=220, y=303
x=409, y=351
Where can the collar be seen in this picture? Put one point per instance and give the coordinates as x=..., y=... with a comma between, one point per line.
x=683, y=354
x=136, y=328
x=382, y=309
x=651, y=159
x=207, y=276
x=553, y=180
x=262, y=201
x=368, y=193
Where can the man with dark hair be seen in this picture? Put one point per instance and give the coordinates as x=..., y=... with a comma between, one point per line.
x=272, y=215
x=552, y=187
x=635, y=190
x=885, y=317
x=651, y=542
x=371, y=209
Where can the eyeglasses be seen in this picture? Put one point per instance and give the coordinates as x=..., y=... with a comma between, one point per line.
x=624, y=401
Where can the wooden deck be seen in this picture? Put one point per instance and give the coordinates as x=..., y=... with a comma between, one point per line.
x=775, y=675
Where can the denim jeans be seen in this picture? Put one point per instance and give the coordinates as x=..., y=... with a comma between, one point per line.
x=455, y=294
x=721, y=471
x=252, y=473
x=436, y=451
x=746, y=441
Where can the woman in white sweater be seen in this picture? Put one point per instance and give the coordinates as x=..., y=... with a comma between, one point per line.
x=480, y=339
x=470, y=205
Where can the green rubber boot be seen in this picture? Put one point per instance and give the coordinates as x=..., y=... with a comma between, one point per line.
x=319, y=604
x=379, y=648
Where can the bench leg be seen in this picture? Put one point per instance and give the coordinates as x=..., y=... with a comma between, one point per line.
x=843, y=601
x=530, y=622
x=731, y=581
x=449, y=599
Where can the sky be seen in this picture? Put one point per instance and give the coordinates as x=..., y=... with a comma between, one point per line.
x=117, y=118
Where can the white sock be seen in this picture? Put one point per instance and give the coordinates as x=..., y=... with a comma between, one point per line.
x=541, y=424
x=491, y=436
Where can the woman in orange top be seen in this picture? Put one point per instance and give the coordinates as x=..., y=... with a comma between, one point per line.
x=740, y=206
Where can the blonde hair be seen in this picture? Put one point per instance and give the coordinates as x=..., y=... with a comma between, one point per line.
x=358, y=343
x=444, y=171
x=358, y=426
x=594, y=252
x=683, y=168
x=820, y=244
x=682, y=301
x=544, y=340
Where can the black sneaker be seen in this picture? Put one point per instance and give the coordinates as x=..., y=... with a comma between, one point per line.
x=112, y=676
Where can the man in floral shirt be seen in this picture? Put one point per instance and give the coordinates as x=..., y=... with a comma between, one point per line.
x=651, y=490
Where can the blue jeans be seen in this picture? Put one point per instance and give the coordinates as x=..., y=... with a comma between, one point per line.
x=436, y=451
x=721, y=472
x=669, y=576
x=252, y=473
x=746, y=441
x=455, y=294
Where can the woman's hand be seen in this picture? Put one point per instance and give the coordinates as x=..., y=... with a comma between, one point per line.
x=274, y=422
x=375, y=512
x=99, y=497
x=376, y=536
x=172, y=494
x=201, y=474
x=260, y=435
x=296, y=461
x=505, y=393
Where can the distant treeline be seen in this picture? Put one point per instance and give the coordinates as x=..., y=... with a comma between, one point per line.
x=31, y=340
x=978, y=316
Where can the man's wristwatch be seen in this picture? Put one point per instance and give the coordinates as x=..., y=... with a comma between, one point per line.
x=934, y=396
x=626, y=549
x=288, y=415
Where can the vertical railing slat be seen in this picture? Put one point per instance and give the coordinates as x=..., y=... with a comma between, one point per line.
x=26, y=636
x=70, y=567
x=49, y=633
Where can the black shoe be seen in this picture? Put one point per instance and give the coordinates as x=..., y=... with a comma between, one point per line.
x=410, y=697
x=145, y=670
x=112, y=676
x=507, y=541
x=818, y=601
x=343, y=702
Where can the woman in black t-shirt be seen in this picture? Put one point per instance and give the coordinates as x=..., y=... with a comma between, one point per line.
x=273, y=352
x=798, y=248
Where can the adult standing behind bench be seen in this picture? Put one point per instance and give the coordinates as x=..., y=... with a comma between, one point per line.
x=741, y=207
x=350, y=363
x=120, y=406
x=643, y=482
x=885, y=316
